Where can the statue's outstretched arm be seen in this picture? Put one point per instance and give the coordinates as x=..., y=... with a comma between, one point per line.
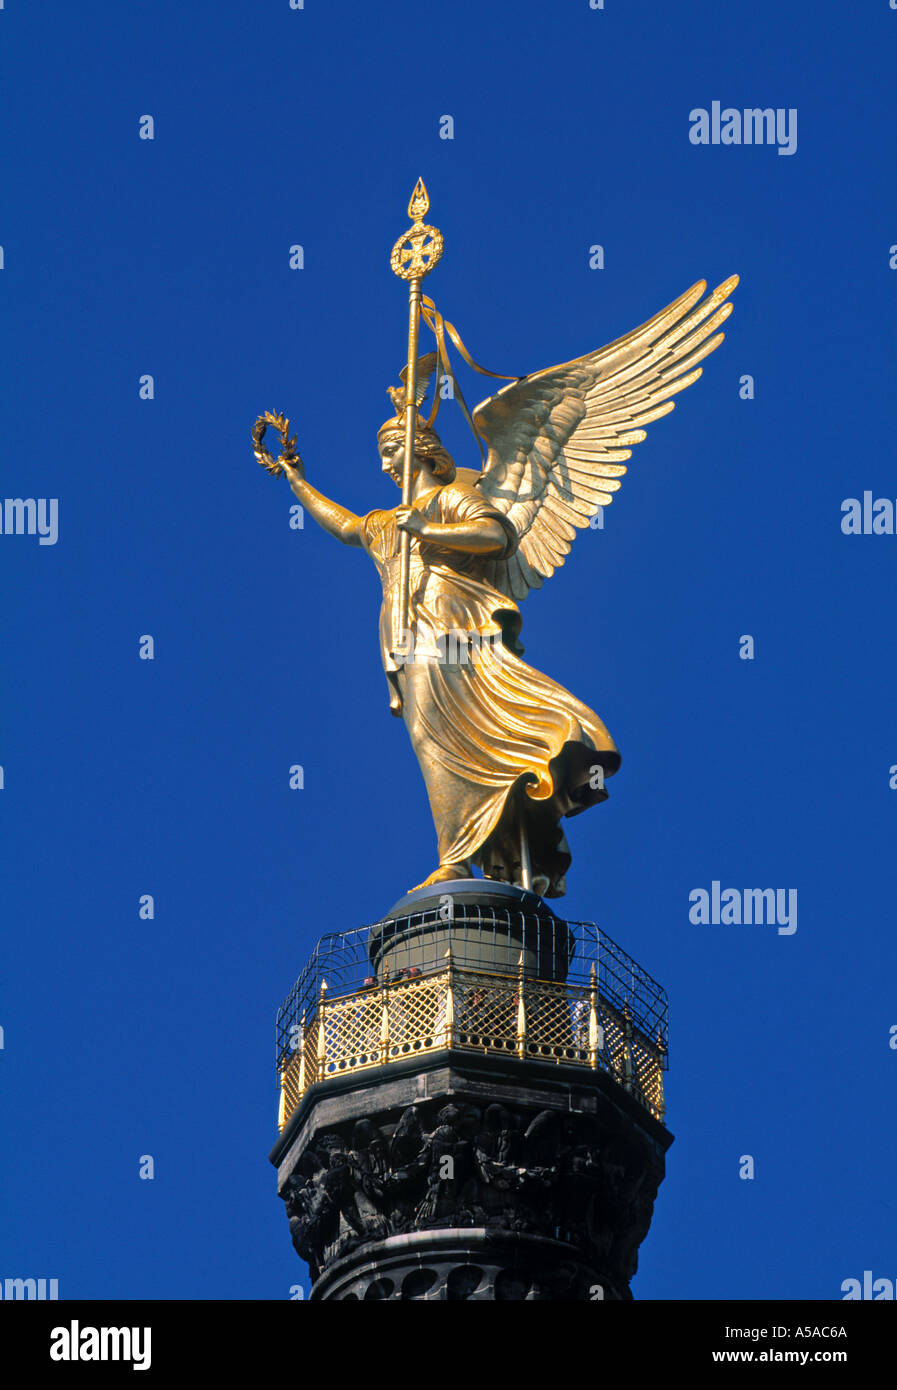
x=480, y=536
x=337, y=521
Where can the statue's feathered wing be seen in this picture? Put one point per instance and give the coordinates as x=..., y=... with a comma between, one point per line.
x=557, y=439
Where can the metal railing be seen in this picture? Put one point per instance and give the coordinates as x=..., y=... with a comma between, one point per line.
x=557, y=950
x=569, y=1022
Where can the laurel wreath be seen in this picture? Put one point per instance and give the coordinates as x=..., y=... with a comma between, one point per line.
x=288, y=454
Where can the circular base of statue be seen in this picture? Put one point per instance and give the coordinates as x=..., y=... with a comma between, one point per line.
x=488, y=892
x=486, y=924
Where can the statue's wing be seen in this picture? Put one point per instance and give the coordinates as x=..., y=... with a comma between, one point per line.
x=557, y=439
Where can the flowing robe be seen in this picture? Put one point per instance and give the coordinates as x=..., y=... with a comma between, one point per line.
x=501, y=746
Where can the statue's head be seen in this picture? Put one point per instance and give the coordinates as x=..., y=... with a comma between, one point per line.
x=428, y=449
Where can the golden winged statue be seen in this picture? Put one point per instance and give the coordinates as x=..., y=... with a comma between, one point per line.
x=505, y=751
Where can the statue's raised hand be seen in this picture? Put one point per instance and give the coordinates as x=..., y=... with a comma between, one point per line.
x=288, y=462
x=294, y=473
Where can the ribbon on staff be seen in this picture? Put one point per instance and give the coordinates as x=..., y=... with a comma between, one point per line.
x=440, y=328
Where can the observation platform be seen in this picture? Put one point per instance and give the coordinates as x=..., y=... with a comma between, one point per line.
x=472, y=966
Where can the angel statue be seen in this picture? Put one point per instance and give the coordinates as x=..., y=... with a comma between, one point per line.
x=505, y=751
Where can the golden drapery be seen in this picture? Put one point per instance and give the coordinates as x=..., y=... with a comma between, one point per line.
x=500, y=745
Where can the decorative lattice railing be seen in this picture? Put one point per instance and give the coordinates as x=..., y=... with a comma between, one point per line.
x=571, y=1022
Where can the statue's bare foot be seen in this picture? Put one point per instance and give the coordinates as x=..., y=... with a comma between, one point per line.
x=444, y=873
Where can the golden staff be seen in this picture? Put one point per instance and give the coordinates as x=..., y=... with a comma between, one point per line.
x=413, y=256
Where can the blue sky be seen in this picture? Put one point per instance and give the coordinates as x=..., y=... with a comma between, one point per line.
x=122, y=777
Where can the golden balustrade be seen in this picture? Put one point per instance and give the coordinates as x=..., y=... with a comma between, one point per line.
x=473, y=1011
